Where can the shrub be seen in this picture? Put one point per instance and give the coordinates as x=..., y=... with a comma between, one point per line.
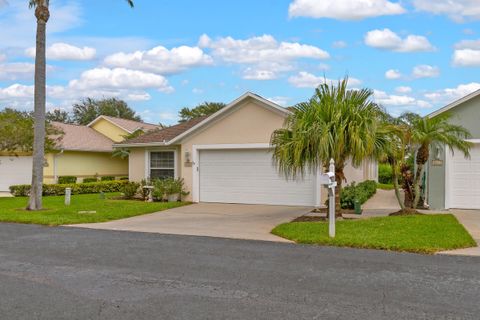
x=67, y=179
x=361, y=192
x=123, y=178
x=385, y=173
x=81, y=188
x=107, y=178
x=89, y=180
x=129, y=189
x=166, y=187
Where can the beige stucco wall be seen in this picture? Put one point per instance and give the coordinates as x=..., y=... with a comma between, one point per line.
x=83, y=165
x=248, y=123
x=109, y=130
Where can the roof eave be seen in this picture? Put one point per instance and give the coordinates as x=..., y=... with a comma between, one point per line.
x=142, y=144
x=454, y=104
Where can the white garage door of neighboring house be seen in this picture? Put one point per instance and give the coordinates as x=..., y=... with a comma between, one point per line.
x=15, y=170
x=248, y=176
x=463, y=185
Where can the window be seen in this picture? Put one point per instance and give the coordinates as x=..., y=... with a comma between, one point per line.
x=162, y=165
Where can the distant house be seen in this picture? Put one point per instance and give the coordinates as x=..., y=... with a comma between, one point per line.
x=84, y=151
x=452, y=180
x=226, y=157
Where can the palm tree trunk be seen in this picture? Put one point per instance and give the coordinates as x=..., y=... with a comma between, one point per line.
x=397, y=187
x=422, y=158
x=35, y=203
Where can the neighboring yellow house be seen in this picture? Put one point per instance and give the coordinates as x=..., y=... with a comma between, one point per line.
x=227, y=157
x=84, y=151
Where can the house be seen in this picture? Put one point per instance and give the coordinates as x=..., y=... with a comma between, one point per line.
x=84, y=151
x=452, y=180
x=226, y=157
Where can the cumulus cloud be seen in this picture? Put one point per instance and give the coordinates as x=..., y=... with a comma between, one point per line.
x=160, y=59
x=397, y=104
x=448, y=95
x=16, y=70
x=403, y=89
x=264, y=57
x=280, y=100
x=393, y=74
x=65, y=51
x=458, y=10
x=467, y=53
x=339, y=44
x=425, y=71
x=344, y=9
x=307, y=80
x=386, y=39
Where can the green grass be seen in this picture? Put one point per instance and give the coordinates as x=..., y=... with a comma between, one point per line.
x=416, y=233
x=56, y=213
x=385, y=186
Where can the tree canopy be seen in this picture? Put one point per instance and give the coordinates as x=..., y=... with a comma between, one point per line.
x=16, y=132
x=203, y=109
x=59, y=115
x=88, y=109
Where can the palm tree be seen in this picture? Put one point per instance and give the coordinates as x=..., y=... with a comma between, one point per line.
x=335, y=123
x=428, y=132
x=42, y=14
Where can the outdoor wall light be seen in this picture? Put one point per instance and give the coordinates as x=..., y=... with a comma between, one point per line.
x=187, y=156
x=438, y=153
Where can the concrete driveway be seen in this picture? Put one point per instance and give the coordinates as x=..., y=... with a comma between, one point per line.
x=238, y=221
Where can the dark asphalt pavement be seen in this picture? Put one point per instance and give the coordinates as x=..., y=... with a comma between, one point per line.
x=68, y=273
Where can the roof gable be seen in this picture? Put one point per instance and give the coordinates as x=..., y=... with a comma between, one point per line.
x=82, y=138
x=129, y=126
x=174, y=134
x=454, y=104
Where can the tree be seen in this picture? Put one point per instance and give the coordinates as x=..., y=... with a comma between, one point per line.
x=426, y=133
x=16, y=132
x=204, y=109
x=58, y=115
x=89, y=109
x=42, y=15
x=335, y=123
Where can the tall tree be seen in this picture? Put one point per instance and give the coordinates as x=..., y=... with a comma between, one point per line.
x=42, y=15
x=204, y=109
x=426, y=133
x=336, y=123
x=58, y=115
x=89, y=109
x=16, y=132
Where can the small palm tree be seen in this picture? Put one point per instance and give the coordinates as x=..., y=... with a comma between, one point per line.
x=42, y=14
x=424, y=133
x=336, y=123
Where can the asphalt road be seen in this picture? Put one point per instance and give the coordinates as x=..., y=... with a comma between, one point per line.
x=67, y=273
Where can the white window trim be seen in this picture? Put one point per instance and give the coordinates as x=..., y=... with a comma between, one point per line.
x=195, y=166
x=147, y=161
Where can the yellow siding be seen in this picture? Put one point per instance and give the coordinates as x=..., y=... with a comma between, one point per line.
x=83, y=165
x=109, y=130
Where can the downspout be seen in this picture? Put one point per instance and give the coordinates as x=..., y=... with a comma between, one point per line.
x=55, y=165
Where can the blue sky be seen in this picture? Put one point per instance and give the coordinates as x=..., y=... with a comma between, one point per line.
x=416, y=55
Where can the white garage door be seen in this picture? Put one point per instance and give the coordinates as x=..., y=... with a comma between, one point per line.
x=464, y=180
x=15, y=170
x=248, y=176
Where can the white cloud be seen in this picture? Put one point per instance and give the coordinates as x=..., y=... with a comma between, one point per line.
x=307, y=80
x=258, y=74
x=403, y=89
x=65, y=51
x=467, y=53
x=120, y=78
x=160, y=59
x=386, y=39
x=340, y=44
x=397, y=104
x=457, y=10
x=280, y=100
x=344, y=9
x=197, y=91
x=448, y=95
x=393, y=74
x=16, y=70
x=3, y=57
x=425, y=71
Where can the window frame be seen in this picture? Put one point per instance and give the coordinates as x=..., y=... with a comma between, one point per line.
x=148, y=168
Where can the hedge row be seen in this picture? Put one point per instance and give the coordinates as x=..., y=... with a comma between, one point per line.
x=81, y=188
x=361, y=192
x=385, y=173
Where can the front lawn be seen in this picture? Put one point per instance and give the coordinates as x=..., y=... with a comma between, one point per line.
x=56, y=213
x=417, y=233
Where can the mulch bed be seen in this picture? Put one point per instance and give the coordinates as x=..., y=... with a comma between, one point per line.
x=406, y=212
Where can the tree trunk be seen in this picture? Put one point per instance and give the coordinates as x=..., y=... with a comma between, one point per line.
x=35, y=203
x=339, y=177
x=422, y=158
x=396, y=186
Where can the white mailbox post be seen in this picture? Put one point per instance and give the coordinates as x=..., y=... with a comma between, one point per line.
x=328, y=180
x=68, y=194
